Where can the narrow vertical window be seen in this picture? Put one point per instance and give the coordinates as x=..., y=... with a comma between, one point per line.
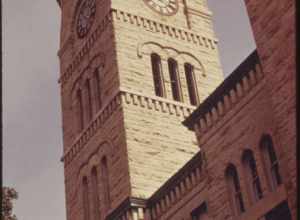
x=98, y=91
x=252, y=175
x=105, y=182
x=85, y=199
x=157, y=75
x=234, y=190
x=191, y=83
x=174, y=77
x=95, y=193
x=270, y=161
x=89, y=100
x=79, y=110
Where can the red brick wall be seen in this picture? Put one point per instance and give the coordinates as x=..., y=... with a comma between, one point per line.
x=273, y=24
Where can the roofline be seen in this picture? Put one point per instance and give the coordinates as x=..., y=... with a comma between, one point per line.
x=224, y=88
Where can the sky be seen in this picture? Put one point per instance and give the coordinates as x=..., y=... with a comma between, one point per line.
x=32, y=129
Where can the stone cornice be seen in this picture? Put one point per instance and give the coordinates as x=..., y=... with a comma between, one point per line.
x=92, y=128
x=141, y=22
x=180, y=184
x=129, y=207
x=165, y=29
x=125, y=97
x=157, y=103
x=224, y=98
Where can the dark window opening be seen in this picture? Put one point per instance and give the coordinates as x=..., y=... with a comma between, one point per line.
x=200, y=213
x=191, y=83
x=85, y=196
x=98, y=91
x=235, y=189
x=271, y=161
x=89, y=100
x=157, y=75
x=250, y=165
x=280, y=212
x=95, y=193
x=105, y=182
x=79, y=110
x=174, y=77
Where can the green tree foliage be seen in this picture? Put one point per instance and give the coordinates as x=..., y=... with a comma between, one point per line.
x=8, y=195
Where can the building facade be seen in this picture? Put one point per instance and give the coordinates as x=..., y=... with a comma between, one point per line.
x=133, y=71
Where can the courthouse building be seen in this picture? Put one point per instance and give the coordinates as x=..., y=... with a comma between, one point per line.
x=152, y=130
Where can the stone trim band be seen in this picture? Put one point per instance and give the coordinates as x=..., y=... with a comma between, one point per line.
x=127, y=97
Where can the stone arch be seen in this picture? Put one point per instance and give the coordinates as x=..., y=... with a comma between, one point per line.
x=166, y=52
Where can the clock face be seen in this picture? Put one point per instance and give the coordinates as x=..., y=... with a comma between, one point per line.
x=85, y=17
x=164, y=7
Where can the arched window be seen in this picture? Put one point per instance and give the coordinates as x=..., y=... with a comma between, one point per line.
x=79, y=110
x=89, y=100
x=270, y=161
x=85, y=198
x=234, y=189
x=157, y=75
x=174, y=77
x=95, y=193
x=105, y=182
x=97, y=88
x=252, y=175
x=191, y=83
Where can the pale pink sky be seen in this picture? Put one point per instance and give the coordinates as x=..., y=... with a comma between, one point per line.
x=31, y=104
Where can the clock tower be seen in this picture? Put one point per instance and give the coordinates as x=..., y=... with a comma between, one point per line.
x=131, y=71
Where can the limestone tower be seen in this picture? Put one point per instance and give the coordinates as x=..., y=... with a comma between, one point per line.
x=131, y=71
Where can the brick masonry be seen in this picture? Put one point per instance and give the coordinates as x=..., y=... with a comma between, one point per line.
x=156, y=170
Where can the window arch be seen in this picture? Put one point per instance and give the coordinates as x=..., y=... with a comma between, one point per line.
x=270, y=161
x=252, y=175
x=105, y=182
x=79, y=110
x=174, y=79
x=85, y=199
x=95, y=193
x=234, y=189
x=157, y=75
x=191, y=83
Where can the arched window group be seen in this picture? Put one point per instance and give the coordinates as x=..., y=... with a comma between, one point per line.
x=88, y=100
x=174, y=79
x=90, y=191
x=252, y=179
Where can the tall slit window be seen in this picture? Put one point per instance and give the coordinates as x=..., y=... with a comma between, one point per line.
x=105, y=182
x=97, y=87
x=270, y=161
x=191, y=83
x=174, y=77
x=234, y=188
x=157, y=75
x=85, y=199
x=89, y=100
x=95, y=193
x=79, y=110
x=252, y=175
